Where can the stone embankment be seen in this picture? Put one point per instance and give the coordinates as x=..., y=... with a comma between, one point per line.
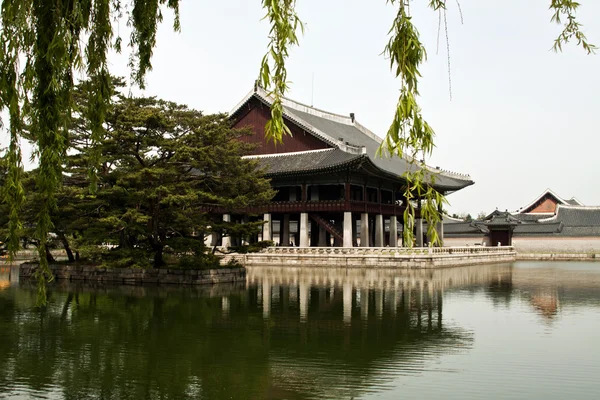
x=558, y=257
x=134, y=276
x=378, y=257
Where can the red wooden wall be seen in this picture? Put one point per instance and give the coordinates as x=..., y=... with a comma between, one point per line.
x=547, y=205
x=255, y=115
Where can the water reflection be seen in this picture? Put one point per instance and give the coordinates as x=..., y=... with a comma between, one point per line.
x=9, y=274
x=287, y=333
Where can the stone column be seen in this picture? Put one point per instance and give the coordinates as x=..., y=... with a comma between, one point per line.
x=419, y=226
x=347, y=229
x=379, y=231
x=419, y=231
x=285, y=230
x=364, y=230
x=304, y=230
x=393, y=231
x=226, y=239
x=347, y=301
x=267, y=227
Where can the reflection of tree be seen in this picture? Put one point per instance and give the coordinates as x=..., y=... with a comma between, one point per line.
x=114, y=346
x=143, y=343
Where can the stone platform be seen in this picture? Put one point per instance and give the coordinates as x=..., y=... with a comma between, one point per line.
x=378, y=257
x=133, y=276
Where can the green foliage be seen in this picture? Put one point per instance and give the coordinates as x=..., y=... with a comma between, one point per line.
x=40, y=49
x=167, y=173
x=254, y=247
x=564, y=13
x=284, y=24
x=39, y=52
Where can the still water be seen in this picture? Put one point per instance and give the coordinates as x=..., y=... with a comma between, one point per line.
x=511, y=331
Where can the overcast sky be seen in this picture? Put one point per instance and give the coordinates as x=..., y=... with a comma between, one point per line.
x=521, y=119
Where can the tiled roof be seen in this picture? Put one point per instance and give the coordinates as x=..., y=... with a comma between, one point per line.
x=353, y=135
x=531, y=217
x=464, y=228
x=538, y=228
x=577, y=220
x=304, y=161
x=347, y=135
x=568, y=221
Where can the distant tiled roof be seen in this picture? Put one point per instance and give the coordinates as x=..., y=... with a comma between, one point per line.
x=577, y=220
x=538, y=228
x=574, y=202
x=464, y=228
x=550, y=194
x=289, y=163
x=568, y=221
x=530, y=217
x=348, y=135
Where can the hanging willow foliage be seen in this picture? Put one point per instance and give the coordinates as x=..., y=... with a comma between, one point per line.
x=409, y=135
x=40, y=50
x=283, y=35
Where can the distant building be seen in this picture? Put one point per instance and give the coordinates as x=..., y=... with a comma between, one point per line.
x=549, y=223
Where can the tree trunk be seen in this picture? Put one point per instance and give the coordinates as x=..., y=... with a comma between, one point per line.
x=158, y=257
x=49, y=256
x=65, y=243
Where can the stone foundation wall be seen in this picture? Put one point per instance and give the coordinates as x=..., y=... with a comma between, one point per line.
x=377, y=258
x=558, y=257
x=134, y=276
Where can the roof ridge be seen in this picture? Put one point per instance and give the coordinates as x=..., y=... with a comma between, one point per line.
x=296, y=105
x=573, y=207
x=548, y=190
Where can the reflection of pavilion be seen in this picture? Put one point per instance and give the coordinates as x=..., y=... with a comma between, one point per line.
x=357, y=329
x=7, y=275
x=387, y=289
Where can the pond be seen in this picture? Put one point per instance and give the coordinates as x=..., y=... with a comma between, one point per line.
x=525, y=330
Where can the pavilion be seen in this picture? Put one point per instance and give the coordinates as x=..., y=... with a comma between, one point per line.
x=332, y=188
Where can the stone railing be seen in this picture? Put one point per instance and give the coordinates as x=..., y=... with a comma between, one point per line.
x=379, y=257
x=387, y=251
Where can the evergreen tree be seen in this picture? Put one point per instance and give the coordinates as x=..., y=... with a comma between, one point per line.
x=167, y=174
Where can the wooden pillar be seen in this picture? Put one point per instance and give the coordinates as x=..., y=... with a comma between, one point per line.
x=285, y=230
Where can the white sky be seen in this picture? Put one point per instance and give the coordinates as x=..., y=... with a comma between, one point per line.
x=521, y=118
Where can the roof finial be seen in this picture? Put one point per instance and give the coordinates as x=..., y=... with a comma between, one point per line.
x=352, y=117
